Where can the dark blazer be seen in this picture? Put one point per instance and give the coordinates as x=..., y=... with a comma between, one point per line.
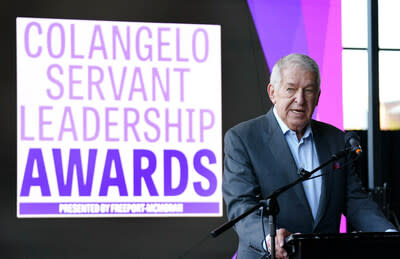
x=258, y=161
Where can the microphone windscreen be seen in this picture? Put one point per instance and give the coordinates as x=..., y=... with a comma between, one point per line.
x=351, y=139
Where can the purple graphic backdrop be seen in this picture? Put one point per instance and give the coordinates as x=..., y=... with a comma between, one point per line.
x=311, y=27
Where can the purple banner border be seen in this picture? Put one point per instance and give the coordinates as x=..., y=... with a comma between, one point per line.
x=140, y=208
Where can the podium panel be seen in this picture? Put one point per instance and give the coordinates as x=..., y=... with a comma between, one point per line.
x=344, y=246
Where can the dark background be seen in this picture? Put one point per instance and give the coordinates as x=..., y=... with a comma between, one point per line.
x=244, y=76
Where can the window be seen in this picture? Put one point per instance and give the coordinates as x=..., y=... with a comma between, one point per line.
x=355, y=64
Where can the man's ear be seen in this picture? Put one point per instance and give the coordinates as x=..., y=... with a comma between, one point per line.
x=271, y=93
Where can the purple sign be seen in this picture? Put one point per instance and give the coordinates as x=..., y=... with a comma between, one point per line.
x=117, y=116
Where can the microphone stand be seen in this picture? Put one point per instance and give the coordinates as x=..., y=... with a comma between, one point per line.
x=270, y=203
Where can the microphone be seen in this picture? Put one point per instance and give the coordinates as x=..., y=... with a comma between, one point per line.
x=352, y=141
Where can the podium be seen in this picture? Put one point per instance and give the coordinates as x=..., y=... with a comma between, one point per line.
x=344, y=246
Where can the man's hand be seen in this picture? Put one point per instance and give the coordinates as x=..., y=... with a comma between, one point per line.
x=280, y=252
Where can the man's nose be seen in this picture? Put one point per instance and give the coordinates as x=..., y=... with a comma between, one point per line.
x=299, y=97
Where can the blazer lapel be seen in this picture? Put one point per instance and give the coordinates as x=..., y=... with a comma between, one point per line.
x=324, y=154
x=284, y=159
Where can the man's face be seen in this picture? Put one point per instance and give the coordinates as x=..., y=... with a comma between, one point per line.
x=295, y=98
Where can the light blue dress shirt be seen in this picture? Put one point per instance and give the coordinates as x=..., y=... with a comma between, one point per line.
x=305, y=156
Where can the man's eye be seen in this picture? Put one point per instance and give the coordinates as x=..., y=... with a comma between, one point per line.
x=290, y=89
x=309, y=91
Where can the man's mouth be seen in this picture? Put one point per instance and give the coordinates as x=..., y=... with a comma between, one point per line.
x=298, y=111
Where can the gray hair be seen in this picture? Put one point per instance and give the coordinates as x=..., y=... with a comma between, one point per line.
x=298, y=60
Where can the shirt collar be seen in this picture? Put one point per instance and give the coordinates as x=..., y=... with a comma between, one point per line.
x=285, y=129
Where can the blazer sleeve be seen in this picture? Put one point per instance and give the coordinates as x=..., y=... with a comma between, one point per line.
x=241, y=191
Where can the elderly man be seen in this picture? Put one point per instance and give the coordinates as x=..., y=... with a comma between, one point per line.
x=265, y=153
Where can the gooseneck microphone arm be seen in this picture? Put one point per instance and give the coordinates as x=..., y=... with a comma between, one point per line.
x=304, y=176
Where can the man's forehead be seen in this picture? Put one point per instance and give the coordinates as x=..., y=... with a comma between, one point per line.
x=293, y=81
x=294, y=74
x=294, y=84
